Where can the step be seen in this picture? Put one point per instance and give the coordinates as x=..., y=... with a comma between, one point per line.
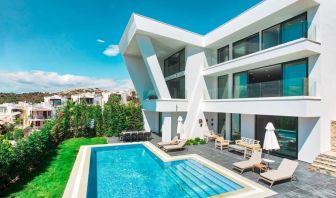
x=324, y=162
x=326, y=159
x=199, y=191
x=203, y=179
x=217, y=175
x=225, y=186
x=321, y=166
x=189, y=191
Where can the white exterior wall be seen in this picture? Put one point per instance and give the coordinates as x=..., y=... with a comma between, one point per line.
x=247, y=125
x=146, y=43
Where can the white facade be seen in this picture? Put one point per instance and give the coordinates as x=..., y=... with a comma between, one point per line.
x=90, y=98
x=9, y=112
x=147, y=44
x=55, y=100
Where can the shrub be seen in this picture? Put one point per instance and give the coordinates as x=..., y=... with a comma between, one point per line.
x=18, y=161
x=195, y=141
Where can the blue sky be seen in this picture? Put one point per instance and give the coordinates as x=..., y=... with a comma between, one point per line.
x=57, y=40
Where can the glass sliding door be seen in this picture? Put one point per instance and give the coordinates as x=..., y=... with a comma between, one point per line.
x=235, y=126
x=223, y=54
x=176, y=87
x=264, y=82
x=160, y=122
x=222, y=87
x=286, y=130
x=295, y=78
x=246, y=46
x=240, y=85
x=271, y=37
x=294, y=28
x=222, y=124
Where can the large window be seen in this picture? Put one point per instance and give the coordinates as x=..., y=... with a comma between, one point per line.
x=246, y=46
x=223, y=54
x=294, y=78
x=287, y=79
x=176, y=87
x=223, y=87
x=286, y=130
x=240, y=85
x=222, y=124
x=271, y=37
x=289, y=30
x=174, y=64
x=235, y=126
x=264, y=82
x=294, y=28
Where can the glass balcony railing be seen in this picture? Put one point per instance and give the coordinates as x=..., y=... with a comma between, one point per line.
x=149, y=95
x=286, y=35
x=279, y=88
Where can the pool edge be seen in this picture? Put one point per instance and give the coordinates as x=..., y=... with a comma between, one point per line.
x=77, y=183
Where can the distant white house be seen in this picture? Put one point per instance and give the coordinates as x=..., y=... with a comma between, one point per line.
x=55, y=100
x=89, y=98
x=10, y=112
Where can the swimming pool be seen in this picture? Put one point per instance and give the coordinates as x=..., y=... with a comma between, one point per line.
x=134, y=171
x=143, y=170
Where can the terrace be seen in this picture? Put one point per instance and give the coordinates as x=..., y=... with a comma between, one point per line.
x=308, y=184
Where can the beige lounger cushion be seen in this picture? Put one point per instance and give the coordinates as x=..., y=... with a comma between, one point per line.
x=276, y=175
x=255, y=159
x=180, y=145
x=244, y=164
x=161, y=144
x=285, y=171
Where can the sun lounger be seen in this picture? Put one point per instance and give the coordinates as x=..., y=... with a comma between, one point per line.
x=285, y=171
x=179, y=146
x=248, y=164
x=173, y=142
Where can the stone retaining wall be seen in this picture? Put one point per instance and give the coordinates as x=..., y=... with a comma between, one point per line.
x=333, y=136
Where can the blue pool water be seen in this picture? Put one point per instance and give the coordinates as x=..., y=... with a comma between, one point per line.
x=134, y=171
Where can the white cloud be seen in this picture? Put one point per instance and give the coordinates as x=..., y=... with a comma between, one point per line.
x=111, y=50
x=31, y=81
x=100, y=41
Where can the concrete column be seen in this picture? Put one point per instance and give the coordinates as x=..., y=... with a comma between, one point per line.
x=228, y=126
x=153, y=67
x=167, y=120
x=230, y=85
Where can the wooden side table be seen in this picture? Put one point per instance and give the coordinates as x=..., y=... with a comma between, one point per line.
x=261, y=167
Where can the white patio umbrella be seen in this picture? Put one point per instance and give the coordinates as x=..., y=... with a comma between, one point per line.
x=270, y=140
x=180, y=130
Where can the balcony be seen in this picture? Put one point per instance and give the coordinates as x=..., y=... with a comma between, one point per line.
x=278, y=88
x=300, y=48
x=151, y=102
x=294, y=97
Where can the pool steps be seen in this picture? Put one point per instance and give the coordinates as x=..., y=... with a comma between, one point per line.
x=198, y=181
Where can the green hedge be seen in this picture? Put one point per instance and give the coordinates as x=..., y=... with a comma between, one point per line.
x=73, y=120
x=16, y=161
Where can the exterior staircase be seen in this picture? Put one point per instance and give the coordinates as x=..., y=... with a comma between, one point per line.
x=326, y=162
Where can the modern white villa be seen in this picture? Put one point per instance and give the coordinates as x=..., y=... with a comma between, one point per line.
x=276, y=62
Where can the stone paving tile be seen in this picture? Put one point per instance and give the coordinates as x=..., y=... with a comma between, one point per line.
x=308, y=184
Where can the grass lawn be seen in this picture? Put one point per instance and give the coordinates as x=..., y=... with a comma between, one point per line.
x=51, y=178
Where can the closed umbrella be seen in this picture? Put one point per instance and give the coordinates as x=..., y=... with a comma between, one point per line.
x=270, y=141
x=180, y=130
